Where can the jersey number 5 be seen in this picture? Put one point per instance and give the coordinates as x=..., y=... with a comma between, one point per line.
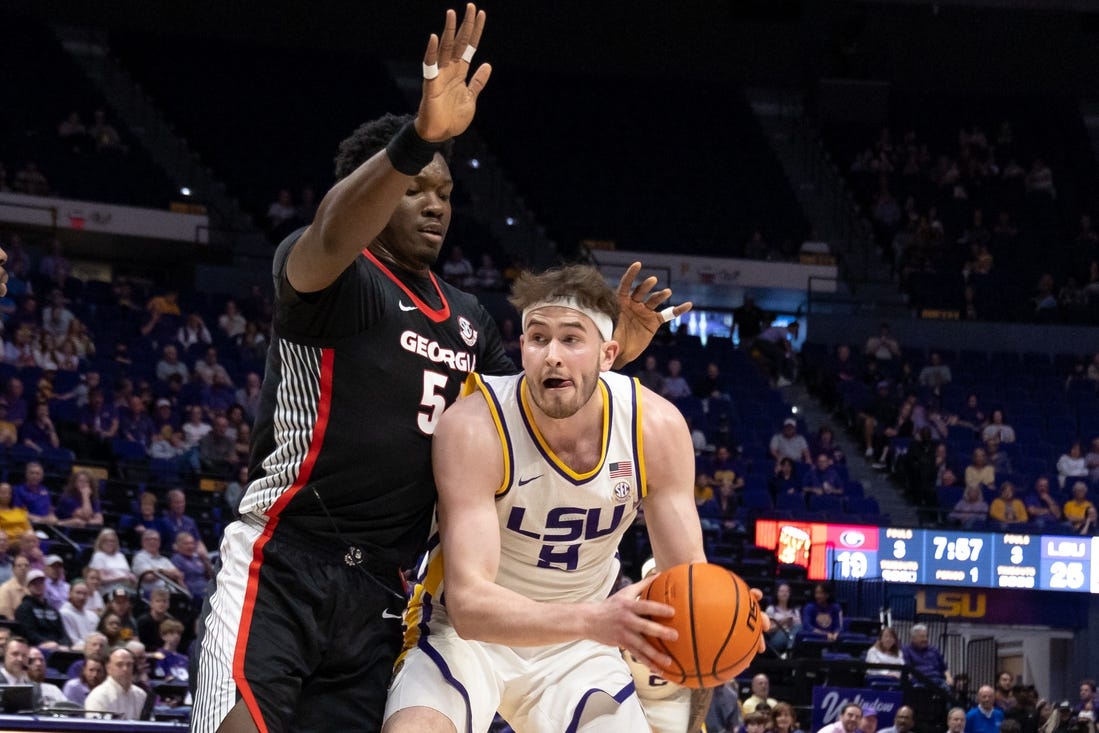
x=432, y=402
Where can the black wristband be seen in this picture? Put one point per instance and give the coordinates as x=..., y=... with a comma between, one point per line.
x=408, y=152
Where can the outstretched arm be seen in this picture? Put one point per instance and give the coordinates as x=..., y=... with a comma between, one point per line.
x=357, y=208
x=640, y=314
x=468, y=464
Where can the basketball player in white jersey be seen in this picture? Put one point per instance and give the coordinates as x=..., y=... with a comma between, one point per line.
x=539, y=475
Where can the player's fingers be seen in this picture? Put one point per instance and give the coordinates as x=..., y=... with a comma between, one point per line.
x=682, y=308
x=480, y=79
x=652, y=609
x=641, y=292
x=658, y=298
x=625, y=283
x=465, y=31
x=648, y=655
x=478, y=29
x=431, y=53
x=446, y=41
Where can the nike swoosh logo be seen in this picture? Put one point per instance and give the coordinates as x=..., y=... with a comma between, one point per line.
x=406, y=307
x=525, y=481
x=387, y=614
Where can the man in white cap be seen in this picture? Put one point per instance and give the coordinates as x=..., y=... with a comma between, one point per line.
x=789, y=444
x=57, y=588
x=40, y=621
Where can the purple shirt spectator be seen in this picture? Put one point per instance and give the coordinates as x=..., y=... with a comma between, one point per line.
x=194, y=573
x=66, y=505
x=35, y=499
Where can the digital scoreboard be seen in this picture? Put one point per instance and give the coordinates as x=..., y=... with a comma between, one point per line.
x=935, y=557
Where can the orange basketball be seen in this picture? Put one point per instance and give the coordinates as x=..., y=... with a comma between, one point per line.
x=718, y=620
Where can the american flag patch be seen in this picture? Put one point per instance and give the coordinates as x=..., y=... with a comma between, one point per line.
x=622, y=469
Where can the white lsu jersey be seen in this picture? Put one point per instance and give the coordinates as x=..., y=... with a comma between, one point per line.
x=559, y=529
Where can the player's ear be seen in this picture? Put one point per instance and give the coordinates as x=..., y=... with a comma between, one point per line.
x=610, y=353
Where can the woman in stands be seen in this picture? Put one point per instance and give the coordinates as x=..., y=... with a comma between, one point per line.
x=111, y=627
x=998, y=427
x=1079, y=511
x=79, y=502
x=885, y=650
x=785, y=480
x=980, y=472
x=78, y=335
x=1071, y=465
x=971, y=508
x=14, y=520
x=113, y=567
x=1007, y=508
x=785, y=622
x=94, y=580
x=822, y=615
x=783, y=719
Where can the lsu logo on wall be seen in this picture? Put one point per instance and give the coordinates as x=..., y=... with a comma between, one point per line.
x=954, y=604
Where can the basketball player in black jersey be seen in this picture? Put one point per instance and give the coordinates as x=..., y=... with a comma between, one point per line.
x=303, y=625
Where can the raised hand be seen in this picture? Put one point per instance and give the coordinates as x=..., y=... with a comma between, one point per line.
x=448, y=101
x=640, y=314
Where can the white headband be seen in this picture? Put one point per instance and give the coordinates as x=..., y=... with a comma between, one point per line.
x=601, y=320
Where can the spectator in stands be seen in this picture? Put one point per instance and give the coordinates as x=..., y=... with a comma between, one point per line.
x=650, y=376
x=15, y=402
x=231, y=322
x=711, y=385
x=94, y=580
x=979, y=472
x=1041, y=507
x=151, y=567
x=148, y=623
x=869, y=722
x=217, y=451
x=56, y=318
x=40, y=621
x=92, y=674
x=44, y=347
x=823, y=478
x=133, y=525
x=985, y=717
x=784, y=719
x=881, y=413
x=31, y=181
x=999, y=460
x=65, y=356
x=886, y=650
x=34, y=496
x=775, y=345
x=883, y=346
x=955, y=721
x=1005, y=691
x=785, y=622
x=165, y=415
x=749, y=318
x=785, y=480
x=120, y=603
x=135, y=423
x=110, y=625
x=242, y=445
x=248, y=396
x=1072, y=465
x=9, y=433
x=57, y=588
x=81, y=339
x=719, y=512
x=113, y=567
x=76, y=617
x=118, y=694
x=997, y=426
x=1007, y=509
x=5, y=556
x=488, y=276
x=39, y=433
x=252, y=345
x=281, y=213
x=73, y=134
x=170, y=364
x=926, y=659
x=196, y=427
x=788, y=443
x=14, y=671
x=193, y=331
x=14, y=589
x=30, y=547
x=14, y=520
x=98, y=426
x=106, y=137
x=171, y=666
x=1091, y=460
x=1079, y=512
x=675, y=386
x=175, y=520
x=208, y=369
x=903, y=721
x=457, y=270
x=825, y=442
x=850, y=718
x=936, y=373
x=194, y=565
x=761, y=695
x=822, y=616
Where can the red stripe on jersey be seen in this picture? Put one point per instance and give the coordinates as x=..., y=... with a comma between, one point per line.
x=437, y=316
x=324, y=406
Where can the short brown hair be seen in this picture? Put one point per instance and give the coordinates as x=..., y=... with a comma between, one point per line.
x=170, y=626
x=582, y=282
